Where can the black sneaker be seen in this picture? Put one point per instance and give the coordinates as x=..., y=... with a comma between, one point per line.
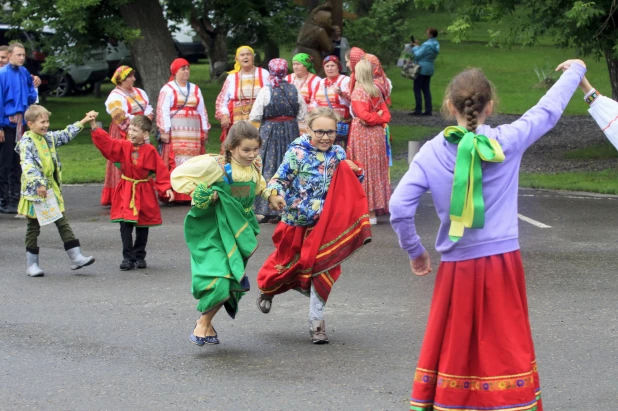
x=141, y=264
x=127, y=265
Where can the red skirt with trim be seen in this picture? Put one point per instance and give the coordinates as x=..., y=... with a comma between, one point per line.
x=477, y=353
x=306, y=255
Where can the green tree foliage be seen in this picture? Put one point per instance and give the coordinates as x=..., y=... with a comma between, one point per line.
x=591, y=28
x=382, y=31
x=72, y=27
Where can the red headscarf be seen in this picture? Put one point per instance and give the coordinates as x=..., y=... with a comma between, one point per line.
x=356, y=54
x=379, y=77
x=177, y=65
x=278, y=69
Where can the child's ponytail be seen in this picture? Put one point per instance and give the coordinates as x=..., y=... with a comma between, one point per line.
x=469, y=92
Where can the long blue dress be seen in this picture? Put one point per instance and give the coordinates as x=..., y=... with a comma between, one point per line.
x=277, y=135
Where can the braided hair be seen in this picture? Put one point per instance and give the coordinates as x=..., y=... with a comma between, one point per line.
x=239, y=131
x=469, y=92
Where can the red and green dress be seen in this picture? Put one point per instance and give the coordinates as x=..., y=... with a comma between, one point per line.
x=221, y=235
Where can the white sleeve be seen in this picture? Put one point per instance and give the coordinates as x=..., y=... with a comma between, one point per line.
x=604, y=111
x=266, y=77
x=111, y=104
x=225, y=95
x=148, y=109
x=257, y=111
x=163, y=110
x=201, y=109
x=302, y=109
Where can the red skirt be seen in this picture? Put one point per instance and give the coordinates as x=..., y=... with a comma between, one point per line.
x=477, y=353
x=306, y=255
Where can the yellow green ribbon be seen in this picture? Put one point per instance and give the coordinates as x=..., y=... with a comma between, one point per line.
x=135, y=182
x=467, y=205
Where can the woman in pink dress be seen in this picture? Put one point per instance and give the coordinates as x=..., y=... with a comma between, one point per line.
x=367, y=142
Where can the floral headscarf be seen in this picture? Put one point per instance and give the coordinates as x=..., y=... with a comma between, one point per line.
x=356, y=54
x=236, y=63
x=121, y=74
x=306, y=60
x=379, y=77
x=278, y=69
x=334, y=59
x=177, y=65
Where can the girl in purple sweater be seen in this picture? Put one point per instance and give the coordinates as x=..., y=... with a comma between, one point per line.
x=477, y=353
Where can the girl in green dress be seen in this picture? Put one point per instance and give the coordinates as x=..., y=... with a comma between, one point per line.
x=221, y=229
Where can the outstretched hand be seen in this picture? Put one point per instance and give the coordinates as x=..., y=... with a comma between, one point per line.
x=91, y=116
x=421, y=265
x=564, y=66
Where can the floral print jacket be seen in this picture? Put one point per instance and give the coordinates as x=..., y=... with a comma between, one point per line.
x=37, y=169
x=303, y=179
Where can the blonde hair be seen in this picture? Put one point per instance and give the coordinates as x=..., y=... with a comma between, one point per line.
x=15, y=45
x=363, y=73
x=240, y=130
x=142, y=122
x=35, y=111
x=320, y=112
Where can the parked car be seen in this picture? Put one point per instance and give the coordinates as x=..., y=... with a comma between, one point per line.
x=61, y=83
x=82, y=77
x=188, y=43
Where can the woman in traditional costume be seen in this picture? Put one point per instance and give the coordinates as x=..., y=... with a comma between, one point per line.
x=220, y=229
x=123, y=103
x=477, y=353
x=241, y=88
x=324, y=219
x=182, y=120
x=330, y=93
x=368, y=139
x=305, y=80
x=278, y=108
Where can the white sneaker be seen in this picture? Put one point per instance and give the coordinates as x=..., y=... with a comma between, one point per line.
x=373, y=221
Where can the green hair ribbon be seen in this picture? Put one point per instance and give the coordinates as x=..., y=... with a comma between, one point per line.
x=467, y=205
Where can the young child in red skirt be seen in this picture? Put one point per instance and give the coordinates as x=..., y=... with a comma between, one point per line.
x=324, y=221
x=134, y=202
x=477, y=353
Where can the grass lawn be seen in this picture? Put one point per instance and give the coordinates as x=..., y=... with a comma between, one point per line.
x=511, y=71
x=604, y=182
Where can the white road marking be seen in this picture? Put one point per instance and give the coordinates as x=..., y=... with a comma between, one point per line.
x=533, y=222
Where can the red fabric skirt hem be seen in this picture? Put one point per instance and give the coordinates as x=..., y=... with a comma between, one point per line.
x=478, y=353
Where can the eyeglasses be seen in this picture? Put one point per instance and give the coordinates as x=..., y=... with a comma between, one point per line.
x=322, y=133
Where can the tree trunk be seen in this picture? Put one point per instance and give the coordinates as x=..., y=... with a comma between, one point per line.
x=271, y=51
x=612, y=65
x=215, y=42
x=154, y=51
x=337, y=13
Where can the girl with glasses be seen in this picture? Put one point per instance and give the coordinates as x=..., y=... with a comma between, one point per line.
x=324, y=219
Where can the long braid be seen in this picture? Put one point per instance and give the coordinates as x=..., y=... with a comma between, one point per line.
x=228, y=156
x=471, y=112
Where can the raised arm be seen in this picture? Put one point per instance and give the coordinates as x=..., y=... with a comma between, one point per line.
x=64, y=136
x=111, y=149
x=541, y=118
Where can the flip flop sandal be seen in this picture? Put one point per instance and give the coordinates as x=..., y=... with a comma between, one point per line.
x=264, y=303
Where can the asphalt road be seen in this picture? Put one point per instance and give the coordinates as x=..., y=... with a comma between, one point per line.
x=102, y=339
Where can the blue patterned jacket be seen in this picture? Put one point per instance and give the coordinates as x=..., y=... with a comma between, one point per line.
x=303, y=179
